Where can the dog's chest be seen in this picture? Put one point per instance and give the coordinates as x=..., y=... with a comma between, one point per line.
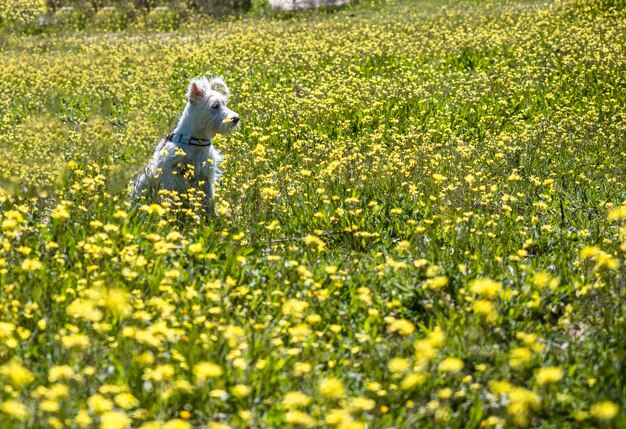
x=193, y=167
x=190, y=163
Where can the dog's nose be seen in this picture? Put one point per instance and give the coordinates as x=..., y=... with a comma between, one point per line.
x=235, y=119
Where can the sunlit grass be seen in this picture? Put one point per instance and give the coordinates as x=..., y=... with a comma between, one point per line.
x=420, y=223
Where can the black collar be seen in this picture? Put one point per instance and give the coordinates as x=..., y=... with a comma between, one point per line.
x=187, y=139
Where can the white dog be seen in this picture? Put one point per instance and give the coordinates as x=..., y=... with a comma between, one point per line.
x=186, y=158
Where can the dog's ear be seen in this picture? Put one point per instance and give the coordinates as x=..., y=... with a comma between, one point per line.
x=195, y=91
x=218, y=84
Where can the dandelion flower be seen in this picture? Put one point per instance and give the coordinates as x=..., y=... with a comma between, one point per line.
x=30, y=265
x=451, y=365
x=332, y=388
x=401, y=326
x=363, y=404
x=485, y=287
x=296, y=399
x=177, y=424
x=218, y=425
x=412, y=380
x=15, y=409
x=204, y=370
x=17, y=375
x=605, y=410
x=99, y=404
x=240, y=390
x=296, y=417
x=398, y=365
x=114, y=420
x=126, y=401
x=548, y=375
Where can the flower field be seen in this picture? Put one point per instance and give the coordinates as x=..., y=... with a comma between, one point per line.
x=422, y=223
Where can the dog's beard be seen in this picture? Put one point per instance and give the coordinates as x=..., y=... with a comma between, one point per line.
x=229, y=128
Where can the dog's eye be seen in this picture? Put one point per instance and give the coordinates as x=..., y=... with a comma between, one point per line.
x=216, y=105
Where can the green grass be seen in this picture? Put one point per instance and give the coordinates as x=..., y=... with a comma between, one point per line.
x=390, y=155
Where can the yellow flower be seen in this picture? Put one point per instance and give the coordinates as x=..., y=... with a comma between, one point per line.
x=295, y=308
x=218, y=425
x=412, y=380
x=14, y=409
x=183, y=386
x=352, y=425
x=84, y=309
x=153, y=209
x=436, y=338
x=588, y=252
x=315, y=242
x=424, y=350
x=361, y=403
x=299, y=418
x=493, y=421
x=602, y=258
x=521, y=401
x=77, y=341
x=240, y=390
x=296, y=399
x=436, y=283
x=116, y=300
x=398, y=365
x=335, y=328
x=56, y=392
x=6, y=329
x=152, y=425
x=451, y=364
x=126, y=401
x=17, y=375
x=401, y=326
x=518, y=356
x=541, y=279
x=617, y=213
x=337, y=416
x=486, y=309
x=99, y=404
x=48, y=406
x=245, y=415
x=444, y=393
x=176, y=424
x=60, y=213
x=218, y=394
x=195, y=248
x=300, y=368
x=332, y=388
x=300, y=332
x=114, y=420
x=30, y=265
x=82, y=418
x=159, y=373
x=259, y=149
x=61, y=371
x=485, y=287
x=605, y=410
x=204, y=370
x=548, y=375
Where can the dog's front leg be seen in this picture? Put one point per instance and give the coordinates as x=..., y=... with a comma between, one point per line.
x=206, y=186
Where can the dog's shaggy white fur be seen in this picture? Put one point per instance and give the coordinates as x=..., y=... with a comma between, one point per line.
x=187, y=157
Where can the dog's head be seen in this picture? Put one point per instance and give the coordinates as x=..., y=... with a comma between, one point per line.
x=208, y=99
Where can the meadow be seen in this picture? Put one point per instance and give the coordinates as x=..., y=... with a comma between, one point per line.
x=421, y=222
